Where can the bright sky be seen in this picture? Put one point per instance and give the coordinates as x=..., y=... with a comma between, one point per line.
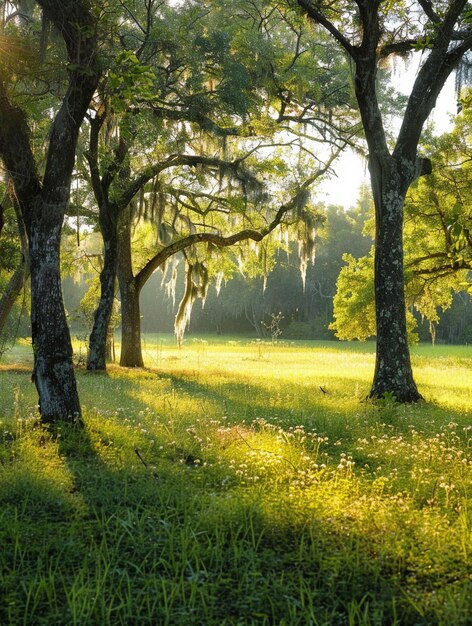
x=352, y=171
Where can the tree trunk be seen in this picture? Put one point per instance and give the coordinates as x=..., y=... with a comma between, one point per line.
x=110, y=347
x=393, y=373
x=53, y=372
x=131, y=354
x=43, y=202
x=97, y=355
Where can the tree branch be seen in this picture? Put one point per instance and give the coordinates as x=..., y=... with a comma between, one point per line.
x=430, y=13
x=319, y=18
x=77, y=27
x=221, y=241
x=174, y=160
x=398, y=47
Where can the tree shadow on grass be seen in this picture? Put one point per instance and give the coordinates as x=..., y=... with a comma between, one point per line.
x=108, y=537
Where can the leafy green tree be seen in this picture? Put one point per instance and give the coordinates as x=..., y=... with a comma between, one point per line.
x=214, y=97
x=341, y=232
x=354, y=306
x=370, y=32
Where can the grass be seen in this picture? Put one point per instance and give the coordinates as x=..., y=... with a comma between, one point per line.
x=237, y=483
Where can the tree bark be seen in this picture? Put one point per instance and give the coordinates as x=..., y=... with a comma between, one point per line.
x=393, y=373
x=98, y=341
x=131, y=353
x=53, y=371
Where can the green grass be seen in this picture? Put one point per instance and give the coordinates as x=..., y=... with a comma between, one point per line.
x=222, y=486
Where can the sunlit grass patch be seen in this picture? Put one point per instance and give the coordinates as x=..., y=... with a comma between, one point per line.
x=224, y=487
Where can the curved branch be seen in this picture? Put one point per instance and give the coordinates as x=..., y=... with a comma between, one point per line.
x=445, y=270
x=430, y=13
x=223, y=242
x=174, y=160
x=427, y=257
x=204, y=122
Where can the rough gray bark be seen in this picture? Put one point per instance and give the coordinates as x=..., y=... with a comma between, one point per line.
x=131, y=352
x=53, y=371
x=393, y=372
x=98, y=341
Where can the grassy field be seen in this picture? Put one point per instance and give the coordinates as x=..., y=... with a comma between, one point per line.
x=236, y=482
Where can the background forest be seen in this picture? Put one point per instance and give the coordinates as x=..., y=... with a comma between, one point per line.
x=246, y=306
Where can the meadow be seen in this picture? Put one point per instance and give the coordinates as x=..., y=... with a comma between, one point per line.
x=237, y=482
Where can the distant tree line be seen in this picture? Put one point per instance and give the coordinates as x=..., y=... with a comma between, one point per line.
x=244, y=306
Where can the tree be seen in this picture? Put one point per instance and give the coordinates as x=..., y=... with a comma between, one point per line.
x=43, y=200
x=204, y=112
x=370, y=31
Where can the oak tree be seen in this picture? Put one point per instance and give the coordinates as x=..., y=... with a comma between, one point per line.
x=370, y=32
x=43, y=195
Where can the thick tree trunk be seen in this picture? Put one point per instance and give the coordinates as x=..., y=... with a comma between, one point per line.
x=53, y=372
x=393, y=373
x=97, y=356
x=43, y=203
x=131, y=354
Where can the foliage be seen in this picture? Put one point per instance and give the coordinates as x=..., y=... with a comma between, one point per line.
x=10, y=250
x=222, y=116
x=438, y=246
x=439, y=207
x=354, y=300
x=354, y=309
x=220, y=492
